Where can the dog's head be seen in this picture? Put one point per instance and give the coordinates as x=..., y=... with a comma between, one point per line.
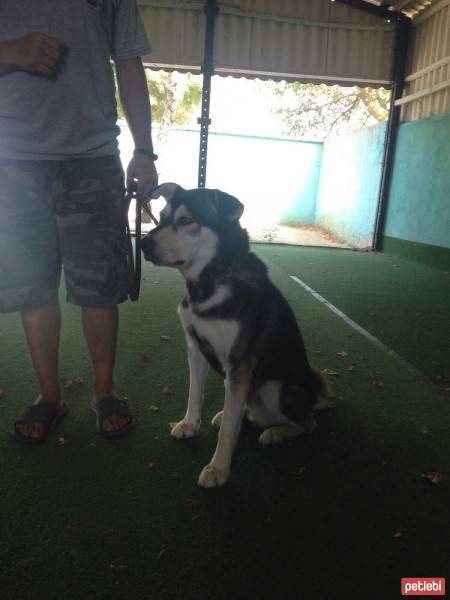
x=195, y=226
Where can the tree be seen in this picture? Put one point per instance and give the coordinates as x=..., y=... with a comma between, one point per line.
x=319, y=110
x=174, y=98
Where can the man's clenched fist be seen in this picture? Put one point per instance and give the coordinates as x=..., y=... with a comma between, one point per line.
x=35, y=53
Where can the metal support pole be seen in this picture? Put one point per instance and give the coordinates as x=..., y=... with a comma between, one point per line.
x=403, y=29
x=207, y=70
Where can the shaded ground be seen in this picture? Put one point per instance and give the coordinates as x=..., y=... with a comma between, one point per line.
x=94, y=519
x=403, y=303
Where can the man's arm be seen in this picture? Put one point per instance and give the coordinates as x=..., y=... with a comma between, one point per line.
x=135, y=101
x=36, y=53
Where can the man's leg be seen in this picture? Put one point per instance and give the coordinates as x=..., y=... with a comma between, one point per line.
x=42, y=326
x=100, y=326
x=91, y=218
x=30, y=268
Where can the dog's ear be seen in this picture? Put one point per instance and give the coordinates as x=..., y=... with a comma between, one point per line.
x=167, y=190
x=229, y=207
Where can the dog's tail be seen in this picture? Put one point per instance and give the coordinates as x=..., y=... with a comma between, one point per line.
x=324, y=393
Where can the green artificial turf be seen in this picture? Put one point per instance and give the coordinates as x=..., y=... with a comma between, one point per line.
x=100, y=519
x=403, y=303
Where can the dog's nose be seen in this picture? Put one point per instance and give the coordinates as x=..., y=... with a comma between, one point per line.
x=147, y=244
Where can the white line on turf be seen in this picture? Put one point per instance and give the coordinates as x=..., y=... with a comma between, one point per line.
x=365, y=333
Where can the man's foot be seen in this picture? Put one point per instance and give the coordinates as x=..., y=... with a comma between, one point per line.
x=113, y=416
x=38, y=421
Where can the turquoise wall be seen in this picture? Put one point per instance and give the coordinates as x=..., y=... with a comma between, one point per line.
x=419, y=201
x=349, y=184
x=334, y=185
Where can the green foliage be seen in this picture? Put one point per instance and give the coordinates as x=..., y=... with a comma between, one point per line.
x=159, y=88
x=190, y=100
x=318, y=110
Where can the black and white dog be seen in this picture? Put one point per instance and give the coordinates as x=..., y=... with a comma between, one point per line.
x=236, y=320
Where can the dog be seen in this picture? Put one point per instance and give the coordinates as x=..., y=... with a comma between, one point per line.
x=235, y=320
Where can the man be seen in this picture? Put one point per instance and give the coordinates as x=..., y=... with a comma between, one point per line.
x=62, y=200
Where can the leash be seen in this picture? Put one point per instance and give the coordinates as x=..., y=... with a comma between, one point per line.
x=134, y=258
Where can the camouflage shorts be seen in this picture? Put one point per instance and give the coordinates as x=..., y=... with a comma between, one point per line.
x=62, y=214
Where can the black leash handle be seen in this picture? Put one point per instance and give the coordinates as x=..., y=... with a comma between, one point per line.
x=134, y=259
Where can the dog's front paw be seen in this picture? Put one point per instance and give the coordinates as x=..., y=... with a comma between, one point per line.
x=271, y=436
x=211, y=476
x=184, y=429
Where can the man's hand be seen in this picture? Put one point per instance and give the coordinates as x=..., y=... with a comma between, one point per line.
x=35, y=53
x=142, y=177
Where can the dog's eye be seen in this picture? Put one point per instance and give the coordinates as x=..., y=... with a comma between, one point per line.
x=184, y=221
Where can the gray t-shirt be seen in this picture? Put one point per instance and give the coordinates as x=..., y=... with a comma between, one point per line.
x=75, y=115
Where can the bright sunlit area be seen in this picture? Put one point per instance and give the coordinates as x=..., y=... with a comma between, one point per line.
x=278, y=147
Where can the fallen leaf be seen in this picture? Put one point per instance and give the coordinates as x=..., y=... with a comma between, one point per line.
x=342, y=353
x=61, y=441
x=433, y=477
x=447, y=389
x=400, y=533
x=318, y=352
x=377, y=383
x=330, y=372
x=351, y=368
x=119, y=568
x=142, y=355
x=150, y=465
x=154, y=408
x=70, y=383
x=160, y=554
x=165, y=338
x=300, y=472
x=167, y=390
x=2, y=392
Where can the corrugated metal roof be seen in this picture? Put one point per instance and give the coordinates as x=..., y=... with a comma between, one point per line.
x=176, y=31
x=314, y=40
x=300, y=39
x=309, y=40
